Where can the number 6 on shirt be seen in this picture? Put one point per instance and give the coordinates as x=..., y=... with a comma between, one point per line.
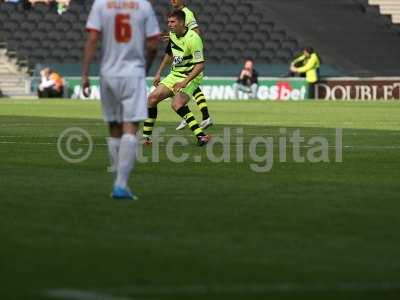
x=123, y=29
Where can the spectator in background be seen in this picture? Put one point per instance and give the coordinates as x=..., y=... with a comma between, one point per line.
x=51, y=86
x=307, y=65
x=33, y=2
x=247, y=81
x=62, y=5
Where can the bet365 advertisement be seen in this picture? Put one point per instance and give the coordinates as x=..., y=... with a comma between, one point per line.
x=274, y=89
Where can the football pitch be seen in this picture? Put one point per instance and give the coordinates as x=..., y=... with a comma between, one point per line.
x=253, y=216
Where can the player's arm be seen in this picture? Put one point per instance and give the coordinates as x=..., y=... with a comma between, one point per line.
x=311, y=63
x=197, y=30
x=152, y=32
x=166, y=61
x=191, y=22
x=297, y=60
x=151, y=46
x=198, y=68
x=89, y=53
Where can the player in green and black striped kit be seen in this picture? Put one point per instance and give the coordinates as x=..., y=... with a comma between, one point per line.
x=198, y=94
x=185, y=53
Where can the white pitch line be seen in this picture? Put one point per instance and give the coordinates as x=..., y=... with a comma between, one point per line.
x=50, y=124
x=72, y=294
x=272, y=123
x=26, y=143
x=260, y=288
x=202, y=289
x=263, y=134
x=368, y=147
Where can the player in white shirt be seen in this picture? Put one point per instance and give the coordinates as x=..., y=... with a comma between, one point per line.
x=129, y=33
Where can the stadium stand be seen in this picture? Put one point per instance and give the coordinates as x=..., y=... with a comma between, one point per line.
x=390, y=7
x=349, y=34
x=13, y=77
x=233, y=29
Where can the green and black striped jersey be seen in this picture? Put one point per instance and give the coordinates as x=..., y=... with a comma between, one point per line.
x=187, y=51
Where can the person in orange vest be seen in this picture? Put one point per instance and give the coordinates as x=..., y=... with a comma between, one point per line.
x=52, y=84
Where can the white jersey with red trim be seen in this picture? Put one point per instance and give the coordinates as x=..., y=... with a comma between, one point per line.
x=124, y=25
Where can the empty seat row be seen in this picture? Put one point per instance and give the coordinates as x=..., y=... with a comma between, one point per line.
x=232, y=29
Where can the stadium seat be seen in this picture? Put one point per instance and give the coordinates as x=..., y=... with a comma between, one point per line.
x=284, y=54
x=10, y=27
x=272, y=45
x=267, y=54
x=243, y=10
x=21, y=35
x=33, y=18
x=278, y=36
x=230, y=28
x=41, y=8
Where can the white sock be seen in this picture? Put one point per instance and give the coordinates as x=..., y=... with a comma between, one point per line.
x=126, y=159
x=113, y=149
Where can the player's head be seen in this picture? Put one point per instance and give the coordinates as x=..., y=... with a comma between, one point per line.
x=307, y=51
x=177, y=4
x=176, y=22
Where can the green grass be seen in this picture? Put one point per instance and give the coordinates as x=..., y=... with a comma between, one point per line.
x=202, y=230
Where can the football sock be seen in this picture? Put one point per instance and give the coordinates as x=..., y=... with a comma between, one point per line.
x=113, y=148
x=201, y=102
x=185, y=113
x=149, y=123
x=126, y=159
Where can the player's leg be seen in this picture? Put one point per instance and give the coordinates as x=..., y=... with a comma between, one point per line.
x=113, y=143
x=126, y=160
x=112, y=115
x=133, y=104
x=162, y=92
x=201, y=102
x=179, y=105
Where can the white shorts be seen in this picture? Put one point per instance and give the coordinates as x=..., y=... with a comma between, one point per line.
x=123, y=99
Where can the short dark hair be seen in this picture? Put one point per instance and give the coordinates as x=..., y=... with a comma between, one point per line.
x=178, y=14
x=309, y=49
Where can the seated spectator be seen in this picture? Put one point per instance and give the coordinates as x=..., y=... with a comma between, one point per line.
x=62, y=5
x=51, y=86
x=33, y=2
x=247, y=81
